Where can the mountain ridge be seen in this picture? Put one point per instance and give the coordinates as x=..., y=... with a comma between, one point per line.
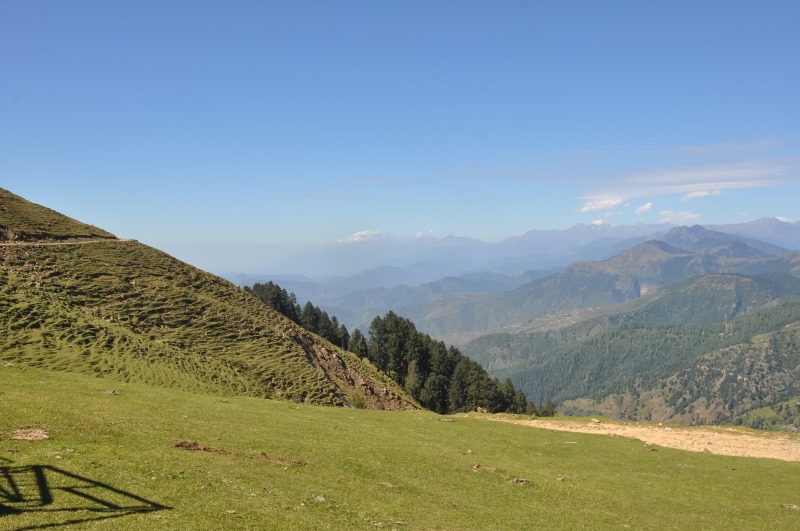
x=120, y=309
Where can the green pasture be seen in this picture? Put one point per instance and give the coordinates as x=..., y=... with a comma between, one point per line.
x=111, y=462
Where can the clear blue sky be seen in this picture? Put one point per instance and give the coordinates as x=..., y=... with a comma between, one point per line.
x=189, y=124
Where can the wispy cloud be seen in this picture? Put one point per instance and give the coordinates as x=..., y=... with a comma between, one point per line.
x=699, y=194
x=730, y=147
x=668, y=216
x=718, y=177
x=690, y=182
x=361, y=236
x=601, y=203
x=783, y=218
x=644, y=208
x=597, y=222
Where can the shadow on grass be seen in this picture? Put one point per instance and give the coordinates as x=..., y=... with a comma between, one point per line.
x=67, y=498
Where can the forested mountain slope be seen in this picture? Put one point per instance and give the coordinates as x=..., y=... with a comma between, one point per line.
x=652, y=361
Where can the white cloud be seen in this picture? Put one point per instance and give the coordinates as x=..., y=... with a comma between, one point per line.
x=597, y=222
x=361, y=236
x=644, y=208
x=699, y=193
x=699, y=179
x=689, y=182
x=783, y=218
x=668, y=216
x=601, y=203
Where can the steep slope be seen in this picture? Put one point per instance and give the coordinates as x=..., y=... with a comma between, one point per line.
x=121, y=309
x=641, y=366
x=22, y=221
x=763, y=372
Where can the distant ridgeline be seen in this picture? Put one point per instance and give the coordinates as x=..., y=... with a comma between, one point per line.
x=440, y=378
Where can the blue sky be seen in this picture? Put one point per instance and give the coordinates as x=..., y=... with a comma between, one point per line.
x=267, y=125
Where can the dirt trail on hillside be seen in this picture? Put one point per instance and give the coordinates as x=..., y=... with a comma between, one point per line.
x=52, y=243
x=715, y=440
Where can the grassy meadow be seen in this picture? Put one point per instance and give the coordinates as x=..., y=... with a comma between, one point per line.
x=111, y=462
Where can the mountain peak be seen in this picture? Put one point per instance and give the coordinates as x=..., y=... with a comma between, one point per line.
x=698, y=239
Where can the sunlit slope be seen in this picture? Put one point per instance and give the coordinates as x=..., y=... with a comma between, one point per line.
x=125, y=310
x=21, y=220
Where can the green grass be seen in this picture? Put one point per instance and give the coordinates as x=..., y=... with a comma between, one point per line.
x=346, y=468
x=82, y=301
x=123, y=310
x=25, y=221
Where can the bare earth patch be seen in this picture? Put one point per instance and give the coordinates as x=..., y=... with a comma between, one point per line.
x=29, y=434
x=275, y=460
x=195, y=446
x=718, y=440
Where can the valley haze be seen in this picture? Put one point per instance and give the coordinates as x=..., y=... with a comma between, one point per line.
x=398, y=272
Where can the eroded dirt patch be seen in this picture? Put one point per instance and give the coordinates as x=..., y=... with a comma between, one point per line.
x=717, y=440
x=29, y=434
x=260, y=456
x=195, y=446
x=276, y=460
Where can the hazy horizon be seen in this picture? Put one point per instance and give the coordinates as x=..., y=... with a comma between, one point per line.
x=236, y=135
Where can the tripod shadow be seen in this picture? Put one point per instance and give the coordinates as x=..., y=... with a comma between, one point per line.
x=69, y=498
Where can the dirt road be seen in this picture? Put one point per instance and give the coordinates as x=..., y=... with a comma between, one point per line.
x=716, y=440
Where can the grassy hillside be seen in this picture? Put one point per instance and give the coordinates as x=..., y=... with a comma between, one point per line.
x=123, y=310
x=149, y=458
x=21, y=220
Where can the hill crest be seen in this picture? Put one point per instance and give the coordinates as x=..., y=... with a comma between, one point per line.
x=24, y=221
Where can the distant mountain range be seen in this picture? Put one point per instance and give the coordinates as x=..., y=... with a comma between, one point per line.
x=685, y=324
x=487, y=300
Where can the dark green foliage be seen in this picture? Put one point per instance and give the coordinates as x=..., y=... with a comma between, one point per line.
x=720, y=363
x=441, y=378
x=358, y=344
x=278, y=299
x=548, y=410
x=309, y=317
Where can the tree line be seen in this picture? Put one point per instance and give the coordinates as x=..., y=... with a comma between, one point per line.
x=439, y=377
x=309, y=316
